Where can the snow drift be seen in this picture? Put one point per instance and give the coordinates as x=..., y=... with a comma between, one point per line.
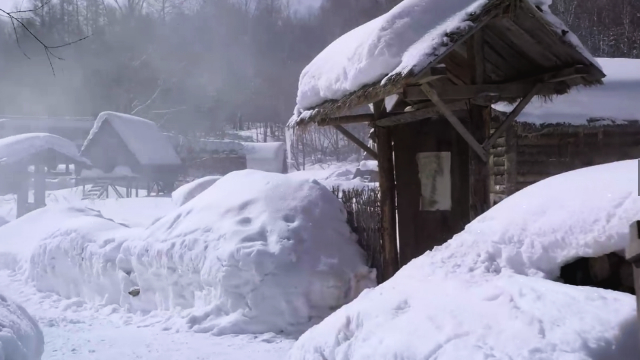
x=487, y=293
x=187, y=192
x=255, y=253
x=20, y=335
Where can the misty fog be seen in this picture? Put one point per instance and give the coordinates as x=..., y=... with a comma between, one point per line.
x=190, y=65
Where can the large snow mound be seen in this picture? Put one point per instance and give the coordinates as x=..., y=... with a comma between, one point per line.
x=407, y=38
x=143, y=138
x=17, y=147
x=255, y=253
x=615, y=101
x=487, y=293
x=259, y=252
x=20, y=335
x=187, y=192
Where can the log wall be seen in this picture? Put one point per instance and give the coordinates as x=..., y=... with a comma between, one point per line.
x=529, y=153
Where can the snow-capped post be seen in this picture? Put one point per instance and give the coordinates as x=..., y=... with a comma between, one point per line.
x=633, y=256
x=390, y=261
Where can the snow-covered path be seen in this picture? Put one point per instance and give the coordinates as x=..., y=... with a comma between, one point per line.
x=74, y=330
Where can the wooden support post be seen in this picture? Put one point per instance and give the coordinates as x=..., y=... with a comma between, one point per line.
x=39, y=186
x=633, y=256
x=387, y=180
x=455, y=122
x=356, y=141
x=22, y=192
x=508, y=121
x=479, y=128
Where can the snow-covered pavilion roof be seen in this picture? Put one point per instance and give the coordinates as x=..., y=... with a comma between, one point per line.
x=379, y=58
x=616, y=101
x=16, y=148
x=143, y=138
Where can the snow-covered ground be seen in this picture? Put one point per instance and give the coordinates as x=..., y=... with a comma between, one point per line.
x=249, y=257
x=489, y=292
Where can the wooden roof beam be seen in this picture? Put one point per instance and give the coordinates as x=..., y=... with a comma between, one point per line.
x=418, y=115
x=457, y=124
x=345, y=120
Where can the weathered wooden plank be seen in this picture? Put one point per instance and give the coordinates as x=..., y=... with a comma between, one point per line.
x=345, y=120
x=354, y=139
x=455, y=122
x=418, y=115
x=515, y=90
x=498, y=151
x=517, y=38
x=532, y=178
x=387, y=196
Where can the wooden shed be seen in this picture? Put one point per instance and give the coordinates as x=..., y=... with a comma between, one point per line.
x=587, y=127
x=124, y=141
x=28, y=160
x=431, y=71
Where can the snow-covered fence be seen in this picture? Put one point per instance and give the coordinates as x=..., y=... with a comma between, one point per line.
x=364, y=217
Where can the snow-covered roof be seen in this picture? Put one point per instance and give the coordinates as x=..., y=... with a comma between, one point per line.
x=616, y=101
x=143, y=138
x=19, y=147
x=379, y=57
x=268, y=157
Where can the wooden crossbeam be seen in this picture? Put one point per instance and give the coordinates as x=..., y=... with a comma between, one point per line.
x=346, y=133
x=345, y=120
x=455, y=121
x=418, y=115
x=511, y=117
x=518, y=89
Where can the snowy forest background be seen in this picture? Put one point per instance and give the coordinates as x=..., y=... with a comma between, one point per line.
x=199, y=67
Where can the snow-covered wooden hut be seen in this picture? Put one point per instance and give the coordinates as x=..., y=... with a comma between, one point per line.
x=119, y=141
x=32, y=158
x=208, y=157
x=75, y=129
x=431, y=70
x=589, y=126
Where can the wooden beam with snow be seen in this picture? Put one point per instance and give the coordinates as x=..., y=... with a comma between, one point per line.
x=511, y=117
x=455, y=122
x=345, y=120
x=354, y=139
x=418, y=115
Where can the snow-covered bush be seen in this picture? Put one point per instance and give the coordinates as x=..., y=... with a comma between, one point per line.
x=20, y=335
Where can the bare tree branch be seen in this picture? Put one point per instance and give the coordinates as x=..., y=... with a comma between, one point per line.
x=47, y=48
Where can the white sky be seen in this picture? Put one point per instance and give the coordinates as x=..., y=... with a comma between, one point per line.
x=10, y=4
